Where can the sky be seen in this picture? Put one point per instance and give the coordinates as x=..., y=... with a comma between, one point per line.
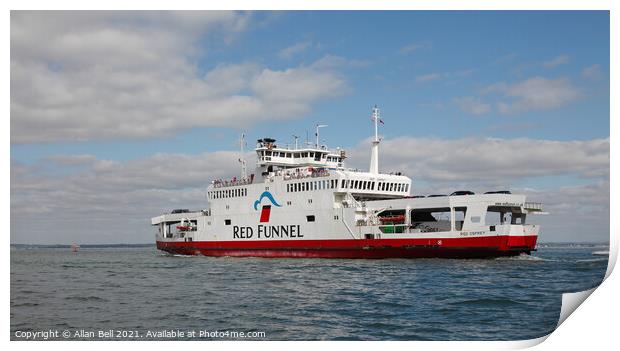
x=117, y=117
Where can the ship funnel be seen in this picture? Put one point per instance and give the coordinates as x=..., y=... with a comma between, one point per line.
x=374, y=154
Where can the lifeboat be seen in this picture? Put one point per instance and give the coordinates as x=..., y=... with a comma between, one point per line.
x=393, y=219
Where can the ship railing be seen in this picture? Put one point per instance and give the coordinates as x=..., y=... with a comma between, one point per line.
x=233, y=182
x=533, y=206
x=321, y=172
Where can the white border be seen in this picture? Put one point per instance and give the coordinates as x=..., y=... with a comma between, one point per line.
x=593, y=323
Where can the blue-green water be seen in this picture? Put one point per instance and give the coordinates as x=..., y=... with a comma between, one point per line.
x=140, y=289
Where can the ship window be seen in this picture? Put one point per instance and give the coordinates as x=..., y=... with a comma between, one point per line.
x=267, y=153
x=431, y=219
x=304, y=154
x=342, y=184
x=310, y=218
x=459, y=217
x=289, y=155
x=288, y=188
x=227, y=221
x=406, y=187
x=296, y=155
x=372, y=187
x=311, y=154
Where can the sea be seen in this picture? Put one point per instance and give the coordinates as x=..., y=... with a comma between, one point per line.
x=135, y=292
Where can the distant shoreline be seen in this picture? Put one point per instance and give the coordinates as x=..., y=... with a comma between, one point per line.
x=66, y=246
x=63, y=246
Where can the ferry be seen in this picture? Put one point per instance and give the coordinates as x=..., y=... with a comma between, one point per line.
x=301, y=201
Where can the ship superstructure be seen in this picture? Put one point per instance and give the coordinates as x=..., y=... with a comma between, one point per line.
x=304, y=202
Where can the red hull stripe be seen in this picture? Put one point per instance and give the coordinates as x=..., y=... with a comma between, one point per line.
x=359, y=248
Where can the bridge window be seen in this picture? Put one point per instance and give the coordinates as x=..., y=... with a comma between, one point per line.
x=289, y=155
x=296, y=155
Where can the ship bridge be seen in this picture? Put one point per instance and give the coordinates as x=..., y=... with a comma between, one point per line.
x=269, y=154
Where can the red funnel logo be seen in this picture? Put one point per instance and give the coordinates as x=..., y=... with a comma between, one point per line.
x=265, y=213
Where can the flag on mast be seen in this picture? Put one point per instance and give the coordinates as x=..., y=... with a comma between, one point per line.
x=372, y=118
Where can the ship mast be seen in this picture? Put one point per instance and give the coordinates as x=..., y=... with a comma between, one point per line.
x=317, y=133
x=244, y=169
x=296, y=137
x=374, y=155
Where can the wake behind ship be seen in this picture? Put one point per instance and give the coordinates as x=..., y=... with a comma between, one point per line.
x=304, y=202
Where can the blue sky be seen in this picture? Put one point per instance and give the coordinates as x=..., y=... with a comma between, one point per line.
x=469, y=50
x=454, y=77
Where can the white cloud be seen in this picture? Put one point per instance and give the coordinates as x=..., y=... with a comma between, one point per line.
x=475, y=160
x=536, y=93
x=295, y=49
x=93, y=75
x=591, y=72
x=114, y=199
x=472, y=105
x=411, y=48
x=428, y=77
x=556, y=61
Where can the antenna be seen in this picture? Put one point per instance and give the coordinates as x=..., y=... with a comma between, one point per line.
x=244, y=170
x=317, y=133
